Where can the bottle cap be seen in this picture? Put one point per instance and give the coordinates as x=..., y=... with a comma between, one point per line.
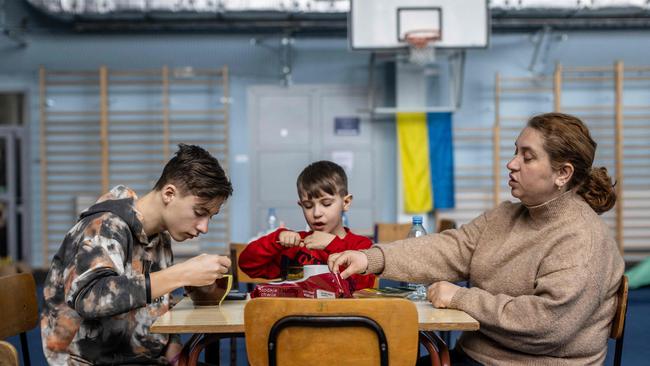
x=417, y=220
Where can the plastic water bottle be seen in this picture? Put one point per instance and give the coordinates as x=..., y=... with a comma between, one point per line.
x=272, y=220
x=346, y=222
x=417, y=230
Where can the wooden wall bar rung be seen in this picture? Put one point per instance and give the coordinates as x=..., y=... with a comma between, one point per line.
x=73, y=83
x=137, y=152
x=199, y=141
x=196, y=111
x=526, y=90
x=136, y=142
x=578, y=108
x=193, y=82
x=86, y=122
x=637, y=68
x=136, y=82
x=150, y=72
x=525, y=79
x=134, y=112
x=71, y=73
x=588, y=69
x=189, y=122
x=72, y=113
x=75, y=142
x=588, y=78
x=132, y=122
x=637, y=78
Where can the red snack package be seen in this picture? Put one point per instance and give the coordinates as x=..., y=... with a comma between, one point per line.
x=324, y=285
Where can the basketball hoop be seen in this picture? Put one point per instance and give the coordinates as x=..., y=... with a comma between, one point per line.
x=421, y=45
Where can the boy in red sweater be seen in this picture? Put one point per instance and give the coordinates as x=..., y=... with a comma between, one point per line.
x=323, y=194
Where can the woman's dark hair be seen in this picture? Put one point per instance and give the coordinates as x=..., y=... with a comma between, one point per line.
x=322, y=176
x=193, y=170
x=567, y=140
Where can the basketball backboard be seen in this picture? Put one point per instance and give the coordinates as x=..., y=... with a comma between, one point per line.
x=383, y=24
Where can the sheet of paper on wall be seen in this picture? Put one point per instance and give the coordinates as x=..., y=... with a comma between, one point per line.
x=347, y=126
x=345, y=159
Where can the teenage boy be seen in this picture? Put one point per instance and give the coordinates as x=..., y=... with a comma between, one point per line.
x=323, y=197
x=113, y=273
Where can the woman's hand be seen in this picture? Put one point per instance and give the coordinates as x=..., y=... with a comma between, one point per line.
x=318, y=240
x=354, y=260
x=441, y=293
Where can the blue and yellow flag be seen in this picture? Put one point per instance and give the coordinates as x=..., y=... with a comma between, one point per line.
x=426, y=156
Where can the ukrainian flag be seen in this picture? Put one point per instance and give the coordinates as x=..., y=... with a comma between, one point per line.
x=426, y=156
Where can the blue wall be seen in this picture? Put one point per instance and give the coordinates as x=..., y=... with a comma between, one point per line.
x=315, y=61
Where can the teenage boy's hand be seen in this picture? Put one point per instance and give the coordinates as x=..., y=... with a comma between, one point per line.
x=289, y=239
x=205, y=268
x=318, y=240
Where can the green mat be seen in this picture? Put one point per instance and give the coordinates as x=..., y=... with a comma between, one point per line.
x=639, y=275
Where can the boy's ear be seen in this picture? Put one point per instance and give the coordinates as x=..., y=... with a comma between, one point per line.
x=168, y=192
x=347, y=201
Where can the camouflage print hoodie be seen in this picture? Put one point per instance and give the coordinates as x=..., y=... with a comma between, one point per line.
x=96, y=309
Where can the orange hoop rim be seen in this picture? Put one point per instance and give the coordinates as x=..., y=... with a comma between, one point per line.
x=420, y=38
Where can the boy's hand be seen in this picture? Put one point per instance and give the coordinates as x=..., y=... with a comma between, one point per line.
x=204, y=269
x=289, y=239
x=318, y=240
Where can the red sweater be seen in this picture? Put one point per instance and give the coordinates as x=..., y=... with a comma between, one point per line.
x=262, y=258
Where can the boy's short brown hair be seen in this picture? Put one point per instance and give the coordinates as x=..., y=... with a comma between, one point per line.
x=322, y=176
x=195, y=171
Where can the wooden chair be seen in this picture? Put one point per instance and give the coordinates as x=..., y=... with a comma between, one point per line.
x=282, y=331
x=446, y=224
x=387, y=232
x=618, y=323
x=8, y=354
x=19, y=308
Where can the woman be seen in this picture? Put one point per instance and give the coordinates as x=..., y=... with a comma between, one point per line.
x=543, y=272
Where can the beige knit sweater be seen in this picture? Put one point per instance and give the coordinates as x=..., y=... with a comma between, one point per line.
x=543, y=280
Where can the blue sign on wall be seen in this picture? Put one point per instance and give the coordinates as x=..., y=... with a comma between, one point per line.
x=347, y=126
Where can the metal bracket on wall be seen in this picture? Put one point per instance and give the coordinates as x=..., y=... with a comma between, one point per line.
x=6, y=30
x=542, y=41
x=284, y=52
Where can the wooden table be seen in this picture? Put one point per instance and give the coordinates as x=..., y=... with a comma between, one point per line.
x=212, y=323
x=229, y=318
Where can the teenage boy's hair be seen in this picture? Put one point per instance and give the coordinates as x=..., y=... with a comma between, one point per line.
x=193, y=170
x=322, y=176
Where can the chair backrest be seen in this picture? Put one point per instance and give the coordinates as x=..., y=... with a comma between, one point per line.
x=8, y=354
x=18, y=304
x=240, y=276
x=19, y=308
x=618, y=323
x=285, y=331
x=446, y=224
x=388, y=232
